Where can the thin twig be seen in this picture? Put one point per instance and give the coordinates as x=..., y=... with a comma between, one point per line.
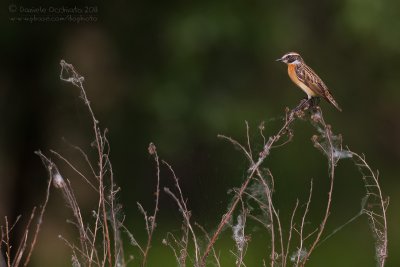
x=332, y=164
x=290, y=117
x=152, y=151
x=290, y=233
x=39, y=222
x=299, y=252
x=184, y=210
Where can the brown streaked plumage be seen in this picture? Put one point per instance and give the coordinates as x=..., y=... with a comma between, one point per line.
x=305, y=78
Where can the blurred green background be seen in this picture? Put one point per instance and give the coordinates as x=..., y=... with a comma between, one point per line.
x=177, y=73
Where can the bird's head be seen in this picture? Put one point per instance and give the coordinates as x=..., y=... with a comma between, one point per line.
x=291, y=58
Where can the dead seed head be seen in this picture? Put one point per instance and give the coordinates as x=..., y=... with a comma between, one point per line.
x=300, y=113
x=152, y=149
x=58, y=180
x=262, y=126
x=316, y=117
x=314, y=138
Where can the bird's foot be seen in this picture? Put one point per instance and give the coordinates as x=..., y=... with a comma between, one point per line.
x=314, y=101
x=304, y=104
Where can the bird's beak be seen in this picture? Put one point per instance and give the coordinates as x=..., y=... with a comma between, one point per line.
x=279, y=59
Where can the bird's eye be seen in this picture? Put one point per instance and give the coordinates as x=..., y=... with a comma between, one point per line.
x=290, y=59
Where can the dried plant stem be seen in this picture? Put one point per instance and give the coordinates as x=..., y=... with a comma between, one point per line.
x=23, y=244
x=213, y=249
x=240, y=237
x=303, y=219
x=39, y=223
x=100, y=176
x=75, y=169
x=289, y=119
x=69, y=74
x=225, y=219
x=375, y=210
x=186, y=214
x=271, y=213
x=8, y=253
x=290, y=233
x=152, y=220
x=318, y=118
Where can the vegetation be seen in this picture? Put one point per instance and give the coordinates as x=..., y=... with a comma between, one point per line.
x=100, y=236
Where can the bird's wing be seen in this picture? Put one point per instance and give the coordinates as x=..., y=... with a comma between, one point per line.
x=306, y=75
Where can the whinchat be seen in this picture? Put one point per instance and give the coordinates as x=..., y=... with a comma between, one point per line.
x=305, y=78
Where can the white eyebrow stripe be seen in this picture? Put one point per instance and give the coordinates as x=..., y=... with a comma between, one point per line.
x=292, y=54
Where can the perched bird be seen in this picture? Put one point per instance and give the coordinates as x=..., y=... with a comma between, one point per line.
x=305, y=78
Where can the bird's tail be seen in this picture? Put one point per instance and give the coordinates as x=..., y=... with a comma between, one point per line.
x=331, y=100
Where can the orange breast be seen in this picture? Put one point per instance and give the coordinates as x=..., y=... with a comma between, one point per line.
x=293, y=77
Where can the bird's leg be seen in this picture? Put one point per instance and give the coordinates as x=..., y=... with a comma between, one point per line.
x=301, y=107
x=304, y=104
x=303, y=101
x=314, y=101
